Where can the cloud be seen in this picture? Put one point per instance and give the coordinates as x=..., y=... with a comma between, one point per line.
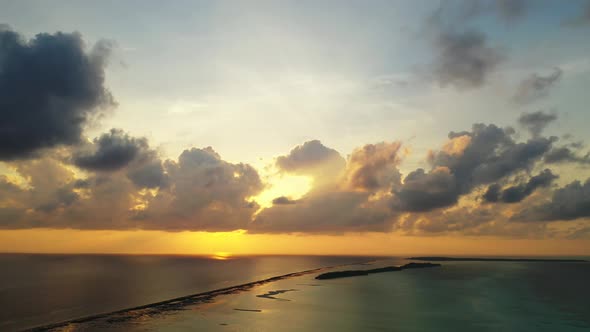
x=111, y=151
x=464, y=59
x=536, y=122
x=205, y=193
x=482, y=220
x=463, y=56
x=423, y=191
x=313, y=159
x=200, y=191
x=11, y=217
x=326, y=212
x=48, y=191
x=374, y=166
x=427, y=201
x=568, y=203
x=13, y=201
x=512, y=158
x=149, y=173
x=484, y=155
x=442, y=221
x=516, y=193
x=309, y=157
x=536, y=87
x=580, y=233
x=63, y=197
x=106, y=201
x=7, y=188
x=117, y=150
x=493, y=193
x=564, y=154
x=283, y=200
x=50, y=88
x=490, y=155
x=356, y=201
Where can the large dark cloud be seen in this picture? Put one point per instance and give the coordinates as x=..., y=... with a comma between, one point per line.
x=511, y=158
x=50, y=87
x=464, y=59
x=536, y=122
x=536, y=87
x=486, y=155
x=490, y=155
x=568, y=203
x=516, y=193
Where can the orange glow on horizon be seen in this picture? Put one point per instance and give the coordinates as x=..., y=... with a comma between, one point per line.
x=223, y=245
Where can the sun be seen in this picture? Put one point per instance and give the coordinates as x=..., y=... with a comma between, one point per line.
x=221, y=255
x=282, y=184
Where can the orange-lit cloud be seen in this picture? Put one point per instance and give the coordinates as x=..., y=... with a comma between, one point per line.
x=313, y=189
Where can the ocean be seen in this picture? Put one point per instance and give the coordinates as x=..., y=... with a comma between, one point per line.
x=39, y=290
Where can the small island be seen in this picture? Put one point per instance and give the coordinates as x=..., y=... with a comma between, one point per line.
x=355, y=273
x=476, y=259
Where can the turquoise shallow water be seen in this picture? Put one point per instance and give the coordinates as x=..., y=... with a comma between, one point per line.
x=459, y=296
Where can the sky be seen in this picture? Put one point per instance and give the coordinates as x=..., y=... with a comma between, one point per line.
x=295, y=127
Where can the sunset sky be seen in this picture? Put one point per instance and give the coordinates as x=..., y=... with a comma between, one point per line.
x=295, y=127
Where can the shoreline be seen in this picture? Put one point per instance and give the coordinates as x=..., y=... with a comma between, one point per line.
x=499, y=259
x=356, y=273
x=178, y=303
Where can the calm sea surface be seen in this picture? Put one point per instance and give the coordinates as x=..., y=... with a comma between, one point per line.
x=459, y=296
x=42, y=289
